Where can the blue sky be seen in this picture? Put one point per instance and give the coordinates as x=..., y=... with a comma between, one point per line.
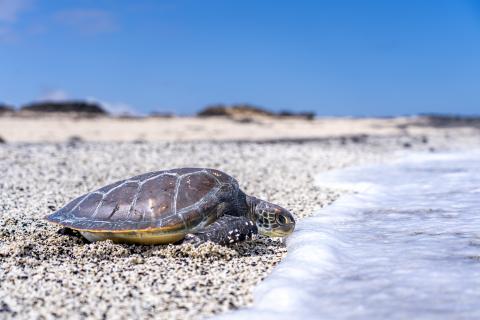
x=356, y=58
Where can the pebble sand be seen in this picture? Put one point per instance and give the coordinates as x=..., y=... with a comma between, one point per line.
x=47, y=275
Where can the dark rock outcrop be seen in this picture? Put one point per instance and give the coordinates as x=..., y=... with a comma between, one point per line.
x=66, y=107
x=159, y=114
x=306, y=115
x=6, y=108
x=449, y=121
x=233, y=110
x=246, y=111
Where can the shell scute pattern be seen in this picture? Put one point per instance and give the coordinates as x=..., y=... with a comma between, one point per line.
x=154, y=198
x=87, y=205
x=192, y=187
x=115, y=204
x=170, y=200
x=72, y=204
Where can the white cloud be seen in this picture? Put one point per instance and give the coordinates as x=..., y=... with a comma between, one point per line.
x=10, y=9
x=115, y=108
x=87, y=21
x=54, y=95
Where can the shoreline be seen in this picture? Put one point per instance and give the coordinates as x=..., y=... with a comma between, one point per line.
x=416, y=236
x=47, y=274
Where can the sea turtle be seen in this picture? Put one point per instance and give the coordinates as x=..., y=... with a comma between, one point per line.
x=190, y=204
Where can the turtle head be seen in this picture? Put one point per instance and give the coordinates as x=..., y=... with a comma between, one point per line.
x=272, y=220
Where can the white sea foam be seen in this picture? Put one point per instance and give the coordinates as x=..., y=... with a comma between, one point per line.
x=405, y=245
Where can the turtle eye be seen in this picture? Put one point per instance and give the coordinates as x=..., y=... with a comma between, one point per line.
x=282, y=219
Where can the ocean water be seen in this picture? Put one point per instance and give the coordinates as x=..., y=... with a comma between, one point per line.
x=405, y=245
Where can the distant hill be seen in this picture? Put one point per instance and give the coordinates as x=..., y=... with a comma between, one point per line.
x=450, y=120
x=6, y=108
x=233, y=110
x=245, y=111
x=66, y=107
x=307, y=115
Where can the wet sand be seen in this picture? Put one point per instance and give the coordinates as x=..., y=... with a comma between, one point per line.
x=44, y=274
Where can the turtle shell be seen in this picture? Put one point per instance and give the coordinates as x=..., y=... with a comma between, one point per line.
x=174, y=201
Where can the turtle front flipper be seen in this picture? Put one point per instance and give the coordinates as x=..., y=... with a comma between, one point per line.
x=225, y=230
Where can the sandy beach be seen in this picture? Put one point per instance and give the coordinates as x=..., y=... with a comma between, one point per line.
x=62, y=127
x=48, y=161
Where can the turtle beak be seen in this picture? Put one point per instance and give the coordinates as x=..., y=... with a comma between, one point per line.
x=280, y=231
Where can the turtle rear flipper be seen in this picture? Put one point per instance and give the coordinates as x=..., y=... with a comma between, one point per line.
x=66, y=231
x=226, y=230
